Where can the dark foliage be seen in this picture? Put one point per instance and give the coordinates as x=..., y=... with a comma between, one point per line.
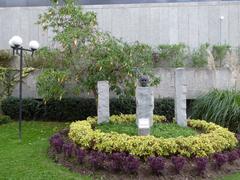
x=122, y=106
x=157, y=164
x=116, y=161
x=131, y=164
x=4, y=119
x=164, y=107
x=56, y=142
x=68, y=150
x=201, y=165
x=238, y=137
x=69, y=109
x=97, y=159
x=238, y=151
x=178, y=162
x=232, y=156
x=220, y=159
x=80, y=154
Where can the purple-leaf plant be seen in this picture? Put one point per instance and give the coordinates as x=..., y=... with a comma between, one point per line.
x=157, y=164
x=201, y=165
x=178, y=163
x=116, y=161
x=232, y=156
x=80, y=154
x=220, y=159
x=97, y=159
x=131, y=164
x=238, y=151
x=67, y=150
x=56, y=142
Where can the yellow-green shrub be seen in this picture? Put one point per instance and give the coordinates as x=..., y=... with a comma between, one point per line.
x=128, y=118
x=214, y=139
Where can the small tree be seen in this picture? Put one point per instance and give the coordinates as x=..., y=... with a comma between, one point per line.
x=72, y=26
x=50, y=84
x=118, y=62
x=95, y=56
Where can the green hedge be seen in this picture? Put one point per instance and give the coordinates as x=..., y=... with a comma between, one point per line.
x=69, y=109
x=4, y=119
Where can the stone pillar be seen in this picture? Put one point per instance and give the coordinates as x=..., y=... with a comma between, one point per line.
x=180, y=97
x=144, y=111
x=103, y=102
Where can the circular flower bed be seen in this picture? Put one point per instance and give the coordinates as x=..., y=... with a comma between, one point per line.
x=213, y=139
x=87, y=150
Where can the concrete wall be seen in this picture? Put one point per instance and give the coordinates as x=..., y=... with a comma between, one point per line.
x=199, y=81
x=21, y=3
x=159, y=23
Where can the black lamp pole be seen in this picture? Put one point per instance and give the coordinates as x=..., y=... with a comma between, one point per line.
x=19, y=51
x=20, y=96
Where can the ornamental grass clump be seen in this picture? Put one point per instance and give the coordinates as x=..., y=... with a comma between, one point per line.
x=156, y=164
x=80, y=154
x=56, y=142
x=178, y=163
x=219, y=106
x=220, y=159
x=201, y=164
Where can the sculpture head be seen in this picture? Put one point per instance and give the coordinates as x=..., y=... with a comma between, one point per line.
x=143, y=81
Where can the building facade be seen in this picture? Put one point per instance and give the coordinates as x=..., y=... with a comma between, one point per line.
x=192, y=23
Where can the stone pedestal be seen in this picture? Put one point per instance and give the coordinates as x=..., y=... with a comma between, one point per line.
x=103, y=101
x=143, y=131
x=144, y=111
x=180, y=97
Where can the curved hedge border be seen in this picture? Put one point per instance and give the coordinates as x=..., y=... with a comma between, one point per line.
x=126, y=118
x=214, y=139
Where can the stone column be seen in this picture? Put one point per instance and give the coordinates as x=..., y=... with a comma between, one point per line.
x=103, y=102
x=144, y=111
x=180, y=97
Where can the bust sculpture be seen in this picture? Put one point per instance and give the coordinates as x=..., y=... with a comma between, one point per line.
x=143, y=81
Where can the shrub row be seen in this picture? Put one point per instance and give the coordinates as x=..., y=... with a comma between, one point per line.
x=213, y=139
x=4, y=119
x=77, y=108
x=128, y=118
x=127, y=163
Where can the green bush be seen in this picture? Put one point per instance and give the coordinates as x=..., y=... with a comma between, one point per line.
x=175, y=54
x=200, y=56
x=46, y=58
x=69, y=109
x=219, y=52
x=219, y=106
x=50, y=84
x=4, y=119
x=213, y=139
x=5, y=57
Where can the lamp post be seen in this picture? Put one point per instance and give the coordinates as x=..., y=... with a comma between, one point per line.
x=221, y=20
x=15, y=43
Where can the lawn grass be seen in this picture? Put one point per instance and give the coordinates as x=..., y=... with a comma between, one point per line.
x=165, y=130
x=29, y=160
x=235, y=176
